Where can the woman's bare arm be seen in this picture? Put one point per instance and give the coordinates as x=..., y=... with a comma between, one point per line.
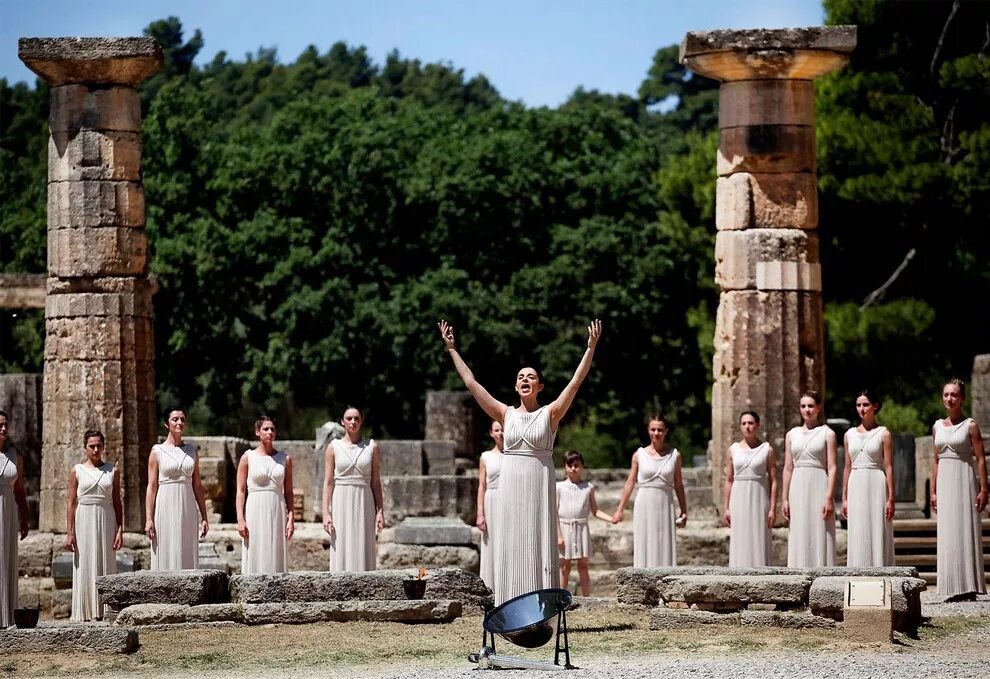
x=494, y=408
x=376, y=488
x=563, y=402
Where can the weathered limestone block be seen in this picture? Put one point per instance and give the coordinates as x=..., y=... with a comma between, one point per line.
x=433, y=530
x=924, y=458
x=453, y=416
x=92, y=338
x=752, y=54
x=106, y=109
x=213, y=472
x=309, y=548
x=979, y=392
x=767, y=259
x=395, y=556
x=62, y=638
x=94, y=155
x=766, y=148
x=94, y=204
x=827, y=598
x=666, y=618
x=165, y=614
x=103, y=61
x=34, y=554
x=784, y=620
x=301, y=586
x=459, y=585
x=401, y=458
x=22, y=290
x=87, y=251
x=788, y=590
x=114, y=296
x=767, y=102
x=438, y=457
x=406, y=496
x=350, y=611
x=190, y=587
x=768, y=201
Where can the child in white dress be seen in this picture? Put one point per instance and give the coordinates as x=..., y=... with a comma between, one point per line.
x=575, y=500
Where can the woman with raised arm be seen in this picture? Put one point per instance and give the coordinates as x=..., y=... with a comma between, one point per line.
x=656, y=469
x=175, y=504
x=868, y=488
x=353, y=510
x=264, y=503
x=809, y=488
x=13, y=520
x=959, y=480
x=526, y=552
x=750, y=495
x=489, y=470
x=94, y=526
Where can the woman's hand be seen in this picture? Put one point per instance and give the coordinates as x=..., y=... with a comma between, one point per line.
x=70, y=541
x=845, y=509
x=560, y=545
x=828, y=509
x=771, y=518
x=242, y=530
x=447, y=334
x=204, y=528
x=149, y=529
x=785, y=507
x=934, y=503
x=981, y=501
x=328, y=525
x=379, y=520
x=594, y=333
x=481, y=523
x=290, y=526
x=888, y=510
x=617, y=517
x=728, y=518
x=681, y=520
x=25, y=528
x=118, y=539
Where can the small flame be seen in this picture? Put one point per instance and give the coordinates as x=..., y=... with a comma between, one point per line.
x=422, y=574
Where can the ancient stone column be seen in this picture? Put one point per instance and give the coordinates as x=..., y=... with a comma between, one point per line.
x=99, y=346
x=768, y=329
x=979, y=392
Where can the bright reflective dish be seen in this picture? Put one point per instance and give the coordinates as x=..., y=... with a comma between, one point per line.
x=527, y=620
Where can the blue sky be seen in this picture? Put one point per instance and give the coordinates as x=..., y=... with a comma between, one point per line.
x=537, y=51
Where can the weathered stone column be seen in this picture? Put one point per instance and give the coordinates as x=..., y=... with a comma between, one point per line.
x=768, y=330
x=979, y=392
x=99, y=346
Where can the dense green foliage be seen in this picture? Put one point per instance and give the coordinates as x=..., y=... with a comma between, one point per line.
x=311, y=221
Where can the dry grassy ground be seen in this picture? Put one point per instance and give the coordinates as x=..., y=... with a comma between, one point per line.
x=600, y=636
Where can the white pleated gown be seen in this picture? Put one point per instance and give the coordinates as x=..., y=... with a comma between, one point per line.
x=749, y=504
x=176, y=543
x=96, y=526
x=655, y=510
x=810, y=539
x=264, y=550
x=493, y=469
x=574, y=506
x=526, y=553
x=870, y=536
x=960, y=548
x=9, y=525
x=352, y=545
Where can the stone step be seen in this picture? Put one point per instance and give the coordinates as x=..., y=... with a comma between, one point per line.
x=735, y=590
x=667, y=618
x=927, y=542
x=190, y=587
x=61, y=637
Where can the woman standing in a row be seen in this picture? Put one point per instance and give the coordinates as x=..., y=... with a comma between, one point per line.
x=868, y=488
x=13, y=519
x=959, y=480
x=809, y=486
x=489, y=470
x=750, y=495
x=175, y=505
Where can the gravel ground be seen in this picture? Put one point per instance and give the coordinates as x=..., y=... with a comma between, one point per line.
x=935, y=606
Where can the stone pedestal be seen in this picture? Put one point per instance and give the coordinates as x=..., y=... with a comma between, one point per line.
x=99, y=346
x=768, y=330
x=453, y=416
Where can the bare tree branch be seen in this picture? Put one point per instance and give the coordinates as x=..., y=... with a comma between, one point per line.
x=878, y=294
x=941, y=38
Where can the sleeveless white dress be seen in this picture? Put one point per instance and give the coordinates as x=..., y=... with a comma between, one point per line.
x=574, y=506
x=870, y=536
x=176, y=543
x=352, y=545
x=96, y=526
x=749, y=504
x=960, y=548
x=264, y=551
x=810, y=539
x=493, y=469
x=526, y=553
x=9, y=525
x=655, y=510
